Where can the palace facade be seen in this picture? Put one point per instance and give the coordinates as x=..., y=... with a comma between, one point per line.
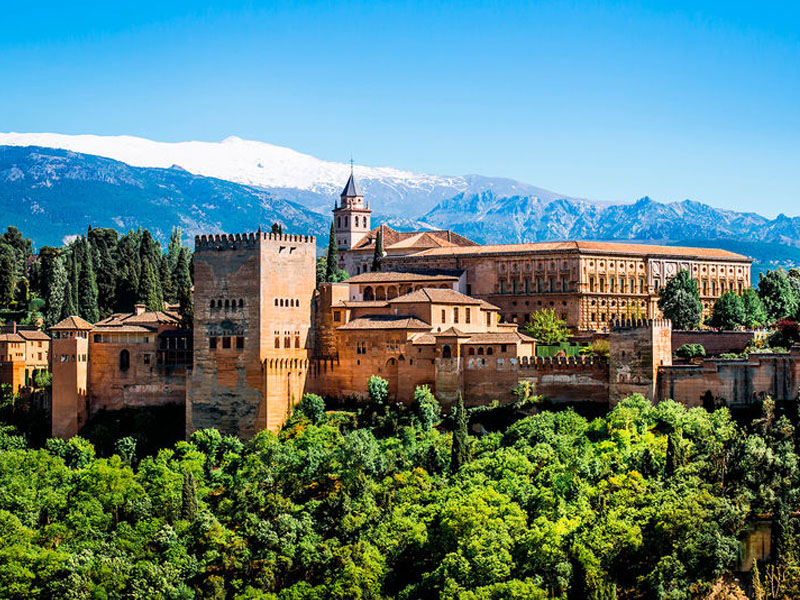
x=442, y=311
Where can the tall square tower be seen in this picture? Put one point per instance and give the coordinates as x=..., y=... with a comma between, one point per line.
x=252, y=319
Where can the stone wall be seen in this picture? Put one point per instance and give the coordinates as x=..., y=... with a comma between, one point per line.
x=637, y=350
x=715, y=342
x=68, y=405
x=734, y=382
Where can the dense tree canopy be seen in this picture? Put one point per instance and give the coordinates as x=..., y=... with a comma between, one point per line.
x=679, y=301
x=778, y=294
x=646, y=502
x=547, y=327
x=728, y=312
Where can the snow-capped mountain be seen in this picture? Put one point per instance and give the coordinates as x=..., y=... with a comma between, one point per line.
x=302, y=178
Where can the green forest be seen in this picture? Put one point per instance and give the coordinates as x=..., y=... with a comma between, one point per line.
x=385, y=502
x=92, y=276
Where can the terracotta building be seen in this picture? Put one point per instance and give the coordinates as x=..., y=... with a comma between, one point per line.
x=587, y=283
x=253, y=301
x=24, y=353
x=126, y=360
x=12, y=361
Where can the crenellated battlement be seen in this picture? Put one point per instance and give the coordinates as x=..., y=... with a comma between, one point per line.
x=617, y=324
x=235, y=241
x=563, y=362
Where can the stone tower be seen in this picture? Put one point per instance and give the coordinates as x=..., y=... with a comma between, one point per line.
x=351, y=217
x=252, y=326
x=69, y=356
x=637, y=348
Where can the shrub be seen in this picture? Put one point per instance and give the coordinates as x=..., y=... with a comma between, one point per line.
x=312, y=407
x=426, y=407
x=689, y=351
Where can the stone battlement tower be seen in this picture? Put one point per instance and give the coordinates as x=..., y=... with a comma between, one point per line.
x=637, y=348
x=252, y=320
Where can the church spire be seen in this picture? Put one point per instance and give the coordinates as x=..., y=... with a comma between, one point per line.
x=351, y=189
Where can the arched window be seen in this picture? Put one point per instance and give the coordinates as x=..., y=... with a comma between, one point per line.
x=471, y=352
x=124, y=360
x=211, y=304
x=227, y=303
x=446, y=352
x=480, y=351
x=368, y=293
x=489, y=351
x=241, y=303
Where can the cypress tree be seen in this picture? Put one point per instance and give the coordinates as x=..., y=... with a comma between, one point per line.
x=129, y=270
x=332, y=259
x=672, y=455
x=103, y=243
x=87, y=288
x=7, y=274
x=150, y=250
x=69, y=308
x=376, y=258
x=183, y=284
x=167, y=282
x=55, y=283
x=149, y=292
x=174, y=248
x=188, y=497
x=781, y=534
x=73, y=278
x=460, y=451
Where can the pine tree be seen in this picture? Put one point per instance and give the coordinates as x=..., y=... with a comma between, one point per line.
x=183, y=284
x=376, y=258
x=332, y=259
x=149, y=290
x=87, y=287
x=55, y=278
x=188, y=497
x=460, y=451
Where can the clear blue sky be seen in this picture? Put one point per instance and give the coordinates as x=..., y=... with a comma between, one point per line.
x=606, y=100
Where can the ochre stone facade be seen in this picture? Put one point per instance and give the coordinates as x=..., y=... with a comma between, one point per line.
x=586, y=283
x=252, y=330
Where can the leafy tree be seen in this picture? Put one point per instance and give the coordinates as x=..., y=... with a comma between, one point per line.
x=126, y=448
x=679, y=301
x=689, y=351
x=378, y=254
x=427, y=407
x=777, y=294
x=546, y=327
x=188, y=496
x=460, y=451
x=378, y=390
x=332, y=258
x=728, y=312
x=312, y=406
x=755, y=314
x=87, y=288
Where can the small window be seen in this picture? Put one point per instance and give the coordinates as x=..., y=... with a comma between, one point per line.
x=489, y=351
x=455, y=314
x=239, y=342
x=444, y=316
x=211, y=304
x=337, y=316
x=124, y=360
x=146, y=359
x=241, y=303
x=277, y=342
x=503, y=348
x=226, y=342
x=468, y=314
x=297, y=341
x=212, y=343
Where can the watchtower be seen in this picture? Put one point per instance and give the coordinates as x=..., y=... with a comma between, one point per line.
x=637, y=348
x=252, y=319
x=69, y=362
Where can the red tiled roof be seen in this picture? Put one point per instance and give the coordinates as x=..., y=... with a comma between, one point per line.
x=588, y=247
x=10, y=337
x=361, y=304
x=500, y=337
x=412, y=239
x=33, y=334
x=435, y=295
x=385, y=322
x=401, y=276
x=152, y=318
x=72, y=323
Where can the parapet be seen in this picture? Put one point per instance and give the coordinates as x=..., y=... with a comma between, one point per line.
x=563, y=362
x=235, y=241
x=620, y=324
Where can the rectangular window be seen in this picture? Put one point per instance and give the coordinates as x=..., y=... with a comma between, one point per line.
x=146, y=359
x=502, y=348
x=212, y=343
x=297, y=341
x=337, y=316
x=277, y=342
x=226, y=342
x=444, y=316
x=468, y=314
x=239, y=342
x=455, y=314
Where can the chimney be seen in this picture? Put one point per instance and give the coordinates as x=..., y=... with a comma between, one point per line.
x=138, y=309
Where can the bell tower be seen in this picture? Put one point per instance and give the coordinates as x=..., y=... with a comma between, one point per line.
x=351, y=217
